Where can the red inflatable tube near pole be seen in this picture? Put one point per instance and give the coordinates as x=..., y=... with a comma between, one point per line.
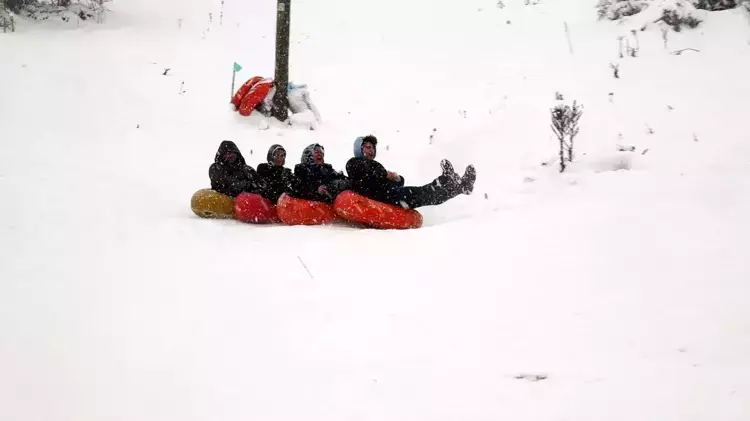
x=244, y=89
x=255, y=96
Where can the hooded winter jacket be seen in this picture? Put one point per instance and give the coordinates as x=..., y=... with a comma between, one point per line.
x=370, y=179
x=312, y=175
x=278, y=179
x=367, y=176
x=233, y=178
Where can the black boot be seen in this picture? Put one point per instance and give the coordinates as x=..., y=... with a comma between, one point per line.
x=449, y=173
x=466, y=185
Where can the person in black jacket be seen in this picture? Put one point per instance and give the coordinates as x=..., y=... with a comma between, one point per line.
x=230, y=174
x=278, y=179
x=317, y=180
x=370, y=179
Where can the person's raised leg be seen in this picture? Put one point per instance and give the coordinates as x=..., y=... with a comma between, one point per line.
x=466, y=184
x=439, y=191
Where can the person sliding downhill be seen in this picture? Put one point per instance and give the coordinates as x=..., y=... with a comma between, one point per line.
x=318, y=180
x=370, y=179
x=230, y=174
x=278, y=179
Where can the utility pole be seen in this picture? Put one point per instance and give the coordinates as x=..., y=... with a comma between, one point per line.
x=280, y=101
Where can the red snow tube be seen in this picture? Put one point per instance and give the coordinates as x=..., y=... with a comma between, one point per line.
x=254, y=96
x=251, y=207
x=357, y=208
x=293, y=211
x=244, y=89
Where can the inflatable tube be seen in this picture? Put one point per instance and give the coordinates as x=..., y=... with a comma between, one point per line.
x=357, y=208
x=255, y=96
x=293, y=211
x=251, y=207
x=208, y=203
x=244, y=89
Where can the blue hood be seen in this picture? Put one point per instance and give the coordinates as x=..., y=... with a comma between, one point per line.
x=358, y=145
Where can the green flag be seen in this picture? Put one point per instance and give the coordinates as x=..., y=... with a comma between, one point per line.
x=237, y=67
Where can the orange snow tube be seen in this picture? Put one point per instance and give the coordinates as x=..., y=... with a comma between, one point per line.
x=244, y=89
x=357, y=208
x=293, y=211
x=251, y=207
x=254, y=96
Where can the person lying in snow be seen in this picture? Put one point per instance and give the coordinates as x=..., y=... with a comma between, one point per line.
x=299, y=100
x=370, y=179
x=258, y=92
x=278, y=179
x=318, y=180
x=230, y=174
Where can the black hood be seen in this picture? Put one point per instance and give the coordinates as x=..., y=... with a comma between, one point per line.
x=307, y=154
x=228, y=146
x=272, y=150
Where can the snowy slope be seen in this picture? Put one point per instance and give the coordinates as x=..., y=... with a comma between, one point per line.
x=622, y=281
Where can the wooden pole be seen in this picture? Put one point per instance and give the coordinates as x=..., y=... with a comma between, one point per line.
x=281, y=78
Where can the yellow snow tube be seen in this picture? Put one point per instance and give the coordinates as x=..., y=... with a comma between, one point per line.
x=208, y=203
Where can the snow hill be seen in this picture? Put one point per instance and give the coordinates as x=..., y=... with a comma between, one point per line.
x=615, y=291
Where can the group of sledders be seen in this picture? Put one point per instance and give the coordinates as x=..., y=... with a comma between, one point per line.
x=315, y=193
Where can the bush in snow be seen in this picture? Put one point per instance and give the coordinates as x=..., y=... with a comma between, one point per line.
x=674, y=13
x=7, y=21
x=15, y=5
x=565, y=127
x=715, y=4
x=616, y=9
x=615, y=70
x=679, y=12
x=677, y=19
x=65, y=9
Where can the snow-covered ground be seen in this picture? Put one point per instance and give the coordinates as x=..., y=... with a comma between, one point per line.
x=615, y=291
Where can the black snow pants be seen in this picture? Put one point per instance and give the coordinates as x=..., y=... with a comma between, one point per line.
x=439, y=191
